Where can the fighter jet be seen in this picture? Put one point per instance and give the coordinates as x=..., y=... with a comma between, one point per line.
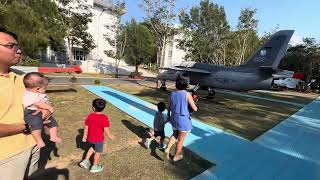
x=258, y=72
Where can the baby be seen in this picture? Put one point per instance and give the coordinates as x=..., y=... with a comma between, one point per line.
x=34, y=99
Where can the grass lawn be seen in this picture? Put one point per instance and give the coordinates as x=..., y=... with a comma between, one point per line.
x=124, y=158
x=248, y=118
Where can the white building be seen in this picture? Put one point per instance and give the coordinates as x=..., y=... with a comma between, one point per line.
x=173, y=55
x=96, y=61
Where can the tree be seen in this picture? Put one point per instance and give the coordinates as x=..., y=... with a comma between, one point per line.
x=160, y=16
x=118, y=36
x=303, y=58
x=246, y=37
x=23, y=20
x=141, y=47
x=76, y=17
x=52, y=19
x=206, y=32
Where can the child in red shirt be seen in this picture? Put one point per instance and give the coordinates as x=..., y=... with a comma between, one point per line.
x=96, y=124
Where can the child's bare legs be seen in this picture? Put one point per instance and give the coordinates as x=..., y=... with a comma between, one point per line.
x=181, y=138
x=89, y=153
x=161, y=142
x=54, y=135
x=171, y=142
x=36, y=134
x=96, y=158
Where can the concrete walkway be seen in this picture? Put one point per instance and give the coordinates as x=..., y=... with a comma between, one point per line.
x=288, y=151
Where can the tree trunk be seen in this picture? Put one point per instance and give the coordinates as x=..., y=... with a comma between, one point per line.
x=137, y=69
x=117, y=68
x=163, y=51
x=70, y=52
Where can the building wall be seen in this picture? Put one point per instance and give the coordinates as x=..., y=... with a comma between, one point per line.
x=101, y=18
x=173, y=55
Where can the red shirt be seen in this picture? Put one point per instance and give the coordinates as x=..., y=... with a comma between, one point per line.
x=96, y=124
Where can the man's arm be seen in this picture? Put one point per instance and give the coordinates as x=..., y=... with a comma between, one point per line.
x=107, y=131
x=85, y=134
x=42, y=105
x=11, y=129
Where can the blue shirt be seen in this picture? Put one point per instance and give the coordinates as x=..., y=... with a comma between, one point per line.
x=180, y=117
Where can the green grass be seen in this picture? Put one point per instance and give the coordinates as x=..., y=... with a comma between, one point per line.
x=248, y=118
x=124, y=157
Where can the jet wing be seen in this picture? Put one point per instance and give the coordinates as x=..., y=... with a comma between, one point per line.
x=192, y=70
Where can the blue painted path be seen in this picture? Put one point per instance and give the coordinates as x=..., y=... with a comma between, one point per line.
x=288, y=151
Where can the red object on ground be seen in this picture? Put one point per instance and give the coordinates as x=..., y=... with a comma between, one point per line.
x=137, y=77
x=298, y=75
x=72, y=69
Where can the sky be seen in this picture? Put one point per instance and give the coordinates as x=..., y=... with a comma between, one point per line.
x=303, y=16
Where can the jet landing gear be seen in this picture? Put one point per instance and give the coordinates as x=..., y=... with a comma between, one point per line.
x=163, y=85
x=211, y=93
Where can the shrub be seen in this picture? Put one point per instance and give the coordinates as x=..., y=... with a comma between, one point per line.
x=73, y=80
x=135, y=74
x=97, y=82
x=27, y=61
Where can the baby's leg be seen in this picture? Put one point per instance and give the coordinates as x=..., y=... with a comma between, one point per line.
x=36, y=125
x=53, y=131
x=36, y=134
x=54, y=135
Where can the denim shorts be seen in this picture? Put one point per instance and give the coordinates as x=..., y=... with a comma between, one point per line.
x=97, y=146
x=35, y=122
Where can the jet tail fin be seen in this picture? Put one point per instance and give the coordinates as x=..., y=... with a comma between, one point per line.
x=270, y=53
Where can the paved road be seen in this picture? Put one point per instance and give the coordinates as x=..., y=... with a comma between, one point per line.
x=90, y=80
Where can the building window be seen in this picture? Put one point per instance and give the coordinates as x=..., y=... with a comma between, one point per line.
x=170, y=54
x=78, y=55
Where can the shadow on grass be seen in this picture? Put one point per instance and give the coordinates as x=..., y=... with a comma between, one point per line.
x=45, y=156
x=141, y=132
x=242, y=116
x=51, y=174
x=61, y=90
x=82, y=145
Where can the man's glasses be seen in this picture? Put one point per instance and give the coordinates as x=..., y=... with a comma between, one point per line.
x=13, y=46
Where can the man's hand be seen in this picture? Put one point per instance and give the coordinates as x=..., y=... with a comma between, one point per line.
x=11, y=129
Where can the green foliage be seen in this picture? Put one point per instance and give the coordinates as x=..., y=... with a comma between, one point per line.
x=141, y=47
x=97, y=82
x=27, y=61
x=38, y=24
x=160, y=17
x=23, y=20
x=118, y=37
x=206, y=31
x=303, y=58
x=208, y=38
x=49, y=14
x=135, y=74
x=73, y=80
x=246, y=39
x=76, y=19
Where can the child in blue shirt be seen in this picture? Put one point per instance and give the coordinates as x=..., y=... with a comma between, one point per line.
x=158, y=126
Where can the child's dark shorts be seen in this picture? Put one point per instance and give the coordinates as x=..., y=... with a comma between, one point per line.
x=35, y=122
x=97, y=146
x=159, y=133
